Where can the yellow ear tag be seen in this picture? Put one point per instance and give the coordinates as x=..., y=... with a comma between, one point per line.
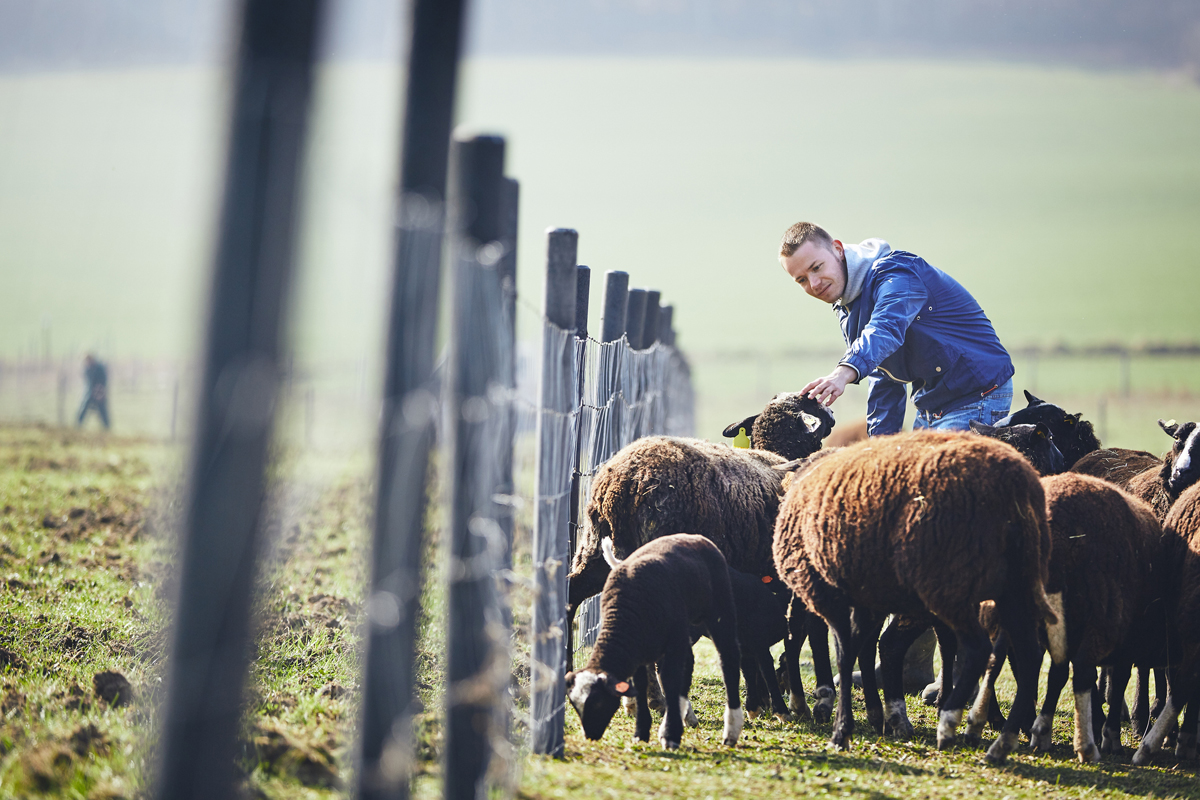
x=741, y=440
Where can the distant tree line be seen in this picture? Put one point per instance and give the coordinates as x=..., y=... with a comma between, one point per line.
x=56, y=34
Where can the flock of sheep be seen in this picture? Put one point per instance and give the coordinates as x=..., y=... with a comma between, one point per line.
x=1008, y=541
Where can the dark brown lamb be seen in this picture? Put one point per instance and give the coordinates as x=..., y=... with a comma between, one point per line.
x=922, y=524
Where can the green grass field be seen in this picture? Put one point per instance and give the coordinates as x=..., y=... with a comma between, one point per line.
x=86, y=525
x=1064, y=199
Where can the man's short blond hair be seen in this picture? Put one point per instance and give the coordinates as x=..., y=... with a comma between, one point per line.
x=795, y=237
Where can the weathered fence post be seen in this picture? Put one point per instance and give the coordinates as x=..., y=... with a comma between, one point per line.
x=475, y=672
x=410, y=407
x=635, y=318
x=666, y=325
x=505, y=489
x=552, y=483
x=210, y=639
x=582, y=295
x=650, y=326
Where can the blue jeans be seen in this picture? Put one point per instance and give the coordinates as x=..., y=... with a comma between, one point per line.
x=988, y=409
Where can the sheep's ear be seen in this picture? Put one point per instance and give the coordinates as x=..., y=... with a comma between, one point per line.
x=732, y=430
x=1073, y=419
x=1033, y=401
x=982, y=428
x=1170, y=427
x=570, y=681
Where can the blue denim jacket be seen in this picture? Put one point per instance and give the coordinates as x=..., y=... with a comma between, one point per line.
x=915, y=324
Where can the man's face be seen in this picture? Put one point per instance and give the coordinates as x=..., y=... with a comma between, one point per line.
x=820, y=270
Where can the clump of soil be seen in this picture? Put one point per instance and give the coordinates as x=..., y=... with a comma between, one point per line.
x=10, y=659
x=48, y=767
x=284, y=753
x=113, y=688
x=88, y=738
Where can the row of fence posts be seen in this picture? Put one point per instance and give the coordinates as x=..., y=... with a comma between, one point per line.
x=235, y=411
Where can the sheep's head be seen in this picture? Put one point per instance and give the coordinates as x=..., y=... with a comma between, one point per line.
x=1074, y=437
x=596, y=697
x=1035, y=442
x=1181, y=467
x=791, y=425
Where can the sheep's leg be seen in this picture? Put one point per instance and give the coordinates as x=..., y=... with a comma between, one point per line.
x=948, y=649
x=818, y=643
x=847, y=640
x=866, y=664
x=675, y=673
x=754, y=699
x=1153, y=739
x=1110, y=736
x=894, y=644
x=976, y=647
x=985, y=701
x=1041, y=734
x=1185, y=744
x=1084, y=685
x=724, y=635
x=641, y=725
x=764, y=675
x=798, y=621
x=1026, y=658
x=1139, y=717
x=1098, y=711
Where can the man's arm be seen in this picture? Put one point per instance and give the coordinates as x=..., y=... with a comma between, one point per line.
x=898, y=300
x=885, y=405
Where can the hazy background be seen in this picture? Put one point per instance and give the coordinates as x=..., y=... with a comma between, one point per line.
x=1044, y=153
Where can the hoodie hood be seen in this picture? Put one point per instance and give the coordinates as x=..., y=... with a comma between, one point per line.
x=859, y=258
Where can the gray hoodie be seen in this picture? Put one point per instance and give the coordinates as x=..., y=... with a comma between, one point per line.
x=859, y=258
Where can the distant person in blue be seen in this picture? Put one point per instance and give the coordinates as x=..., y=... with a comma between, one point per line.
x=905, y=322
x=96, y=375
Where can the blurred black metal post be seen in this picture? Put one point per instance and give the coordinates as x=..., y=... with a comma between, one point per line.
x=551, y=486
x=476, y=673
x=253, y=264
x=666, y=325
x=635, y=318
x=410, y=405
x=650, y=326
x=583, y=288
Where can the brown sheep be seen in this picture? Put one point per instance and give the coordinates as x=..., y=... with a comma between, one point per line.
x=1181, y=543
x=1105, y=562
x=925, y=525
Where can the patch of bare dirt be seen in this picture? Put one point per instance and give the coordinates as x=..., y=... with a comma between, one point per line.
x=113, y=688
x=284, y=752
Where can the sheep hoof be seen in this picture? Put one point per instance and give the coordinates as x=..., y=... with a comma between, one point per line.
x=799, y=708
x=946, y=742
x=784, y=717
x=735, y=718
x=875, y=717
x=751, y=713
x=1142, y=757
x=668, y=744
x=1040, y=734
x=1110, y=743
x=1089, y=755
x=823, y=709
x=840, y=741
x=1185, y=748
x=998, y=753
x=971, y=737
x=899, y=727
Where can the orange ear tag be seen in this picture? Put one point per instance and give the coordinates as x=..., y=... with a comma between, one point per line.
x=622, y=687
x=766, y=578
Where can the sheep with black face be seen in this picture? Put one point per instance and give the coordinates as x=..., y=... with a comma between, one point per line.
x=1073, y=435
x=649, y=604
x=1035, y=442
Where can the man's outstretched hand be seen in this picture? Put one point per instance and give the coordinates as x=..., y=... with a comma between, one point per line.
x=826, y=390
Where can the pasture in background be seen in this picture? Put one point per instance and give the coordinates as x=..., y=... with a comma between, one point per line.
x=1063, y=199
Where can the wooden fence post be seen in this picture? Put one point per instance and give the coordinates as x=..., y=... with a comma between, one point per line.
x=552, y=483
x=410, y=407
x=210, y=639
x=635, y=318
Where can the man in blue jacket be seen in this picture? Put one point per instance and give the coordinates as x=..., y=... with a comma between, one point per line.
x=905, y=322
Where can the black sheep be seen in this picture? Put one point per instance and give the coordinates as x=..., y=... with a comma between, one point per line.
x=649, y=603
x=1035, y=442
x=1074, y=436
